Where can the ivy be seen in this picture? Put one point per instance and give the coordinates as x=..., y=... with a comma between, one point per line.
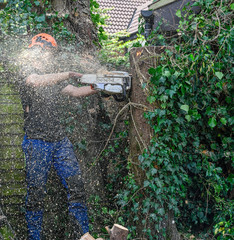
x=98, y=17
x=189, y=163
x=115, y=51
x=21, y=16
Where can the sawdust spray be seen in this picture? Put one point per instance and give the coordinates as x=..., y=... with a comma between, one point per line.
x=84, y=117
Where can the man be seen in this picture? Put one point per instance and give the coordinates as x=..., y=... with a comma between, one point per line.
x=45, y=143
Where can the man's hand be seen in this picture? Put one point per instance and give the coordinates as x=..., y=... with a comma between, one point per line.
x=75, y=75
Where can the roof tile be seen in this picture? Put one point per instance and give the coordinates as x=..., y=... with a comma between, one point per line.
x=120, y=14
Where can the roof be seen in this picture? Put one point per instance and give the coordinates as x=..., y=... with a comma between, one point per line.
x=121, y=12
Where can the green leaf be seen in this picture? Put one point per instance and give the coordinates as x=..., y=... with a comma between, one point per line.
x=185, y=108
x=152, y=71
x=164, y=98
x=188, y=118
x=104, y=210
x=219, y=85
x=161, y=211
x=144, y=85
x=153, y=171
x=212, y=122
x=170, y=92
x=146, y=183
x=167, y=73
x=40, y=18
x=178, y=13
x=223, y=121
x=37, y=3
x=232, y=6
x=151, y=99
x=191, y=57
x=230, y=178
x=176, y=74
x=219, y=75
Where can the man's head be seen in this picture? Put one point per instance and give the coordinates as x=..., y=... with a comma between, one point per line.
x=41, y=55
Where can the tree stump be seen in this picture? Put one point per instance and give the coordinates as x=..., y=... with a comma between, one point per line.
x=140, y=132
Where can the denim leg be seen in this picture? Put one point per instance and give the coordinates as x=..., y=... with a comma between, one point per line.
x=67, y=167
x=34, y=223
x=38, y=163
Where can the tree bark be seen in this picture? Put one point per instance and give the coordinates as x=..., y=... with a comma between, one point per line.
x=3, y=5
x=140, y=132
x=79, y=20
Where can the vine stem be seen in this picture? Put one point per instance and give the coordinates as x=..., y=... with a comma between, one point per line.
x=142, y=141
x=134, y=194
x=137, y=105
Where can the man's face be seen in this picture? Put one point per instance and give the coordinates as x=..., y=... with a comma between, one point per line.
x=41, y=59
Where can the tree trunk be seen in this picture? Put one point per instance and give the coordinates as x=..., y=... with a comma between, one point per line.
x=3, y=5
x=140, y=132
x=141, y=60
x=79, y=21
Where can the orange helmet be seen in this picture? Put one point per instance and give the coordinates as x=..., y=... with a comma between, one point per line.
x=43, y=40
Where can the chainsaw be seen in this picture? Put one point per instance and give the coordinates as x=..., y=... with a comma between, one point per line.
x=115, y=83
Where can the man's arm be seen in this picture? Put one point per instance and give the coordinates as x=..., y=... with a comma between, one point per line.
x=36, y=80
x=73, y=91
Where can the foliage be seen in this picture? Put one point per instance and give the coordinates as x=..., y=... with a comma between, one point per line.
x=188, y=166
x=106, y=212
x=189, y=163
x=98, y=17
x=21, y=16
x=115, y=49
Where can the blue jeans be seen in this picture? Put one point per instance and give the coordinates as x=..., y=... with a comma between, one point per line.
x=40, y=155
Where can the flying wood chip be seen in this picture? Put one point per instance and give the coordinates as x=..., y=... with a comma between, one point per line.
x=139, y=53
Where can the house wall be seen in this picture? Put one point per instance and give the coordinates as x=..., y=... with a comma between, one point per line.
x=167, y=14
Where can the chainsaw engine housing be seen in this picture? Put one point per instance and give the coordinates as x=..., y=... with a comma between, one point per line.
x=114, y=83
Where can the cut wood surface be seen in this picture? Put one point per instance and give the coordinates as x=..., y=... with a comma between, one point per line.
x=87, y=236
